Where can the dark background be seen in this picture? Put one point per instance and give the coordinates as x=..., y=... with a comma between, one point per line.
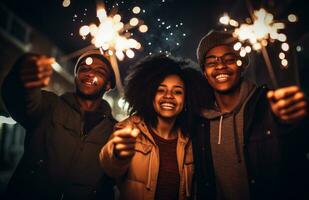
x=45, y=26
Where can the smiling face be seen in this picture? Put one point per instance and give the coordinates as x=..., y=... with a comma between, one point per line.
x=92, y=78
x=221, y=70
x=170, y=97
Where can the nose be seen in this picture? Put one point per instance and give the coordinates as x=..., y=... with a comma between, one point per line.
x=220, y=65
x=91, y=73
x=168, y=94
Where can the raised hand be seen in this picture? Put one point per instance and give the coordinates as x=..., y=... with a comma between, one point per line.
x=288, y=104
x=35, y=71
x=124, y=142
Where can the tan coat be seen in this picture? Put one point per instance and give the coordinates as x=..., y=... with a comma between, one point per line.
x=138, y=176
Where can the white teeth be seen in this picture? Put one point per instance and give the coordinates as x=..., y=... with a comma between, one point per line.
x=88, y=82
x=167, y=105
x=222, y=77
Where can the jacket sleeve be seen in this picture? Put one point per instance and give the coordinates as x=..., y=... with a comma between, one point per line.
x=26, y=106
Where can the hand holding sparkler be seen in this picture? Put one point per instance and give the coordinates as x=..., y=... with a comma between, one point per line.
x=124, y=142
x=35, y=71
x=288, y=104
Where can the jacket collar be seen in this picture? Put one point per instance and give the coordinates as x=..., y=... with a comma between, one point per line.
x=140, y=124
x=71, y=100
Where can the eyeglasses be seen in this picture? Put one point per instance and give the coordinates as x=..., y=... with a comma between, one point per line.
x=227, y=59
x=101, y=71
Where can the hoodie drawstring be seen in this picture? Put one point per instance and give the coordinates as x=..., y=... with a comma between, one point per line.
x=236, y=138
x=220, y=130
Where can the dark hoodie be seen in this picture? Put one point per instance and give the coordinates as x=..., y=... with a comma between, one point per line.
x=226, y=138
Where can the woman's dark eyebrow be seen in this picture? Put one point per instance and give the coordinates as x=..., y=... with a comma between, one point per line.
x=177, y=86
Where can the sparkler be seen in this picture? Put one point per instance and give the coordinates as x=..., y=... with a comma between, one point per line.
x=112, y=36
x=95, y=81
x=259, y=32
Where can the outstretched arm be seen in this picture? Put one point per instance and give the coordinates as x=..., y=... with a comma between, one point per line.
x=21, y=89
x=116, y=155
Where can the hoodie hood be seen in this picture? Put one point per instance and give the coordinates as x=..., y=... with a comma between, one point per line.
x=247, y=88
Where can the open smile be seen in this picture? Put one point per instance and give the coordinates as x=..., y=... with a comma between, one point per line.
x=167, y=105
x=222, y=77
x=90, y=81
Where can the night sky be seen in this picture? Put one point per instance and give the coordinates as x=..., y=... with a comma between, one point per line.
x=175, y=26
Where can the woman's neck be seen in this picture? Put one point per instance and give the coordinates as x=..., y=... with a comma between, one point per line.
x=165, y=128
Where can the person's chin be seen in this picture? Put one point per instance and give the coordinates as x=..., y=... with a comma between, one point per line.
x=168, y=114
x=89, y=95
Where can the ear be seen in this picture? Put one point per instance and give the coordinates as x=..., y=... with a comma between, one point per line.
x=204, y=73
x=108, y=86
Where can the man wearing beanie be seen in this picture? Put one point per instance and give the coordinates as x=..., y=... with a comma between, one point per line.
x=64, y=134
x=249, y=144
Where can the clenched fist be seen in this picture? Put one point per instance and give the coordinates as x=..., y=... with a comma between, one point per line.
x=124, y=142
x=288, y=104
x=35, y=71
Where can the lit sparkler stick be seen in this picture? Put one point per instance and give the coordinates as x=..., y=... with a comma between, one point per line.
x=95, y=81
x=258, y=34
x=111, y=36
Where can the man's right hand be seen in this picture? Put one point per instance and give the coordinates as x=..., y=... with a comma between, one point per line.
x=124, y=142
x=35, y=71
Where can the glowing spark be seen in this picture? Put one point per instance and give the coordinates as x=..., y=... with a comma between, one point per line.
x=66, y=3
x=239, y=63
x=248, y=49
x=134, y=21
x=242, y=52
x=284, y=62
x=285, y=47
x=282, y=37
x=298, y=48
x=117, y=18
x=84, y=30
x=89, y=61
x=130, y=53
x=136, y=10
x=224, y=19
x=292, y=18
x=281, y=55
x=143, y=28
x=233, y=23
x=237, y=46
x=101, y=14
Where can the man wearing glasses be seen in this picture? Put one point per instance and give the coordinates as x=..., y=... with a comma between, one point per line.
x=240, y=142
x=64, y=134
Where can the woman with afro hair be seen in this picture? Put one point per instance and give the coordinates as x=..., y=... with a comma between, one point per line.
x=150, y=153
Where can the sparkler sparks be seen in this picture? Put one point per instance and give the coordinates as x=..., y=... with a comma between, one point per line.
x=259, y=33
x=112, y=35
